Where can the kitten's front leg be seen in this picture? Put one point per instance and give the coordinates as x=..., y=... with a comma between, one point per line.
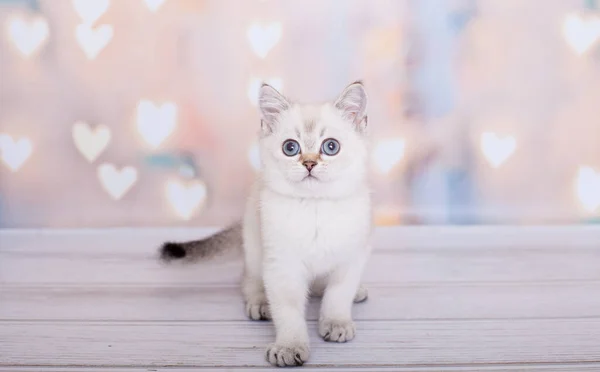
x=287, y=286
x=257, y=307
x=318, y=290
x=335, y=321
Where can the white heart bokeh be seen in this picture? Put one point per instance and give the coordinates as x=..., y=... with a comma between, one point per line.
x=581, y=32
x=116, y=182
x=90, y=10
x=587, y=188
x=388, y=153
x=263, y=38
x=93, y=40
x=497, y=149
x=28, y=35
x=185, y=199
x=90, y=142
x=153, y=5
x=14, y=152
x=156, y=122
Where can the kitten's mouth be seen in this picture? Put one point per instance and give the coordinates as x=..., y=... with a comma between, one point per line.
x=310, y=177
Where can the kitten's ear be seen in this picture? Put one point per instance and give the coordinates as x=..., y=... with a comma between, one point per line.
x=271, y=104
x=353, y=104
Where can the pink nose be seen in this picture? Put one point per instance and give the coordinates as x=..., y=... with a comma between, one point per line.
x=309, y=164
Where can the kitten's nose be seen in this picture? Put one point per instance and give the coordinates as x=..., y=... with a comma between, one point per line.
x=309, y=164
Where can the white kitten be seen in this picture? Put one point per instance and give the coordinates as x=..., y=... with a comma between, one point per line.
x=308, y=221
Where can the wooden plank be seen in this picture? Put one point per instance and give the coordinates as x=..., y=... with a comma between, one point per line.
x=443, y=299
x=203, y=303
x=545, y=367
x=129, y=257
x=485, y=265
x=241, y=344
x=397, y=237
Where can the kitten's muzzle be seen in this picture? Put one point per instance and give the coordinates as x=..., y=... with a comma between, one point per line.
x=309, y=164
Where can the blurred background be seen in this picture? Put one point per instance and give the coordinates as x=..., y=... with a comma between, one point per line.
x=142, y=112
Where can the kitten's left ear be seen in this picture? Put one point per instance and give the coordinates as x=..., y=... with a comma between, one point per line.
x=271, y=104
x=353, y=104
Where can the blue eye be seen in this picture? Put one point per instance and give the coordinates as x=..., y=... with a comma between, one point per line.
x=291, y=148
x=330, y=147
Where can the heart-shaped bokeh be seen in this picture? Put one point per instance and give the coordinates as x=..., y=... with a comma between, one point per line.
x=388, y=153
x=156, y=122
x=185, y=198
x=14, y=152
x=90, y=142
x=497, y=149
x=263, y=38
x=587, y=188
x=28, y=35
x=153, y=5
x=90, y=10
x=93, y=40
x=581, y=32
x=116, y=182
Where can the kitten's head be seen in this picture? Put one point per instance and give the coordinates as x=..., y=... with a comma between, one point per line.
x=314, y=150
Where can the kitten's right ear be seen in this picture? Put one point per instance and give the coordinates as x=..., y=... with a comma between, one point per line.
x=352, y=103
x=271, y=104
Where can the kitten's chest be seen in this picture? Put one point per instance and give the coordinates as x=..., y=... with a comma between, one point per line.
x=316, y=229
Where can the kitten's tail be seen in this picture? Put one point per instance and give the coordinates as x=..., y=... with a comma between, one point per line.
x=209, y=247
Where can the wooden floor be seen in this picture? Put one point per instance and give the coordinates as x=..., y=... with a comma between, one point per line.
x=441, y=299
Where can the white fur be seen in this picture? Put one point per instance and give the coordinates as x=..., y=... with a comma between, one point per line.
x=301, y=231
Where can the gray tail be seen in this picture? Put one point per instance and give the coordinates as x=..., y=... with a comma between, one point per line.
x=214, y=245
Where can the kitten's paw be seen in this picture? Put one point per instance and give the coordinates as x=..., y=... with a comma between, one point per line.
x=361, y=295
x=258, y=310
x=284, y=356
x=336, y=330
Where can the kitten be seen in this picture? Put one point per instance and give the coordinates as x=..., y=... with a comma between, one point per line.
x=307, y=224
